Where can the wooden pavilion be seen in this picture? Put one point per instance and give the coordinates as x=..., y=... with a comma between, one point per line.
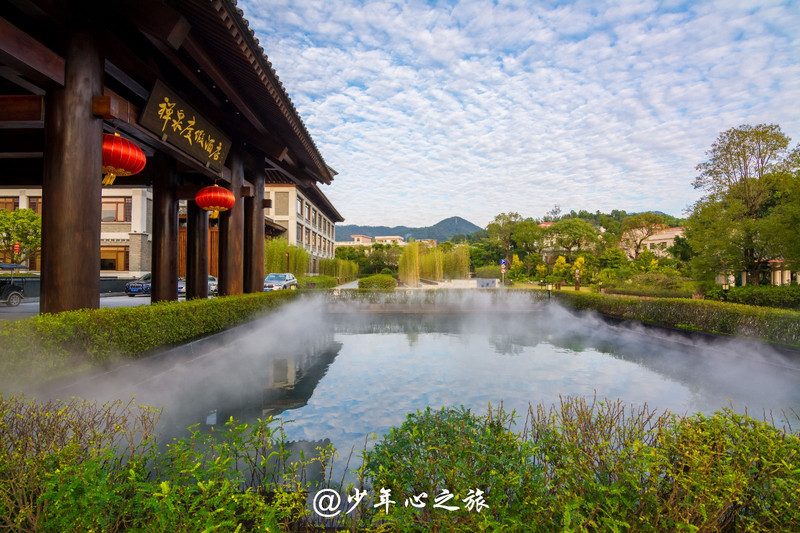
x=158, y=73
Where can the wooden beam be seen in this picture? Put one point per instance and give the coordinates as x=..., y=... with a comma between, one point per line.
x=246, y=191
x=157, y=19
x=21, y=108
x=267, y=203
x=28, y=56
x=222, y=81
x=111, y=106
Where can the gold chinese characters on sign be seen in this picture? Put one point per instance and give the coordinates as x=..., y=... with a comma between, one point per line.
x=177, y=123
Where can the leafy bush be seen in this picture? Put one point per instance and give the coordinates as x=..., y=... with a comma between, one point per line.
x=591, y=466
x=488, y=272
x=783, y=296
x=378, y=282
x=50, y=345
x=318, y=282
x=454, y=450
x=77, y=466
x=772, y=325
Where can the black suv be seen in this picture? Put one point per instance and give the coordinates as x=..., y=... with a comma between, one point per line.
x=140, y=286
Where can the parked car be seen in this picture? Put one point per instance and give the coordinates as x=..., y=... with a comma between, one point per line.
x=11, y=293
x=139, y=286
x=276, y=282
x=213, y=287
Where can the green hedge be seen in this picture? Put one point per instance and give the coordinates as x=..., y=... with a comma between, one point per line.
x=51, y=345
x=378, y=282
x=784, y=296
x=318, y=282
x=772, y=325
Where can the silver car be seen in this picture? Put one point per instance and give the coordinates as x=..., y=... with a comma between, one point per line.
x=277, y=282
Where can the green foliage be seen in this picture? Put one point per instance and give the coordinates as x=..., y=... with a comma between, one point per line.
x=378, y=282
x=579, y=465
x=408, y=264
x=783, y=296
x=77, y=466
x=343, y=270
x=591, y=466
x=749, y=213
x=488, y=272
x=455, y=450
x=21, y=226
x=317, y=282
x=49, y=345
x=771, y=325
x=275, y=259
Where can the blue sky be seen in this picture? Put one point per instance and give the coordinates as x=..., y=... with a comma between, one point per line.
x=472, y=108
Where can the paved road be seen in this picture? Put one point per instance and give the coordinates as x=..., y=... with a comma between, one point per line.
x=30, y=308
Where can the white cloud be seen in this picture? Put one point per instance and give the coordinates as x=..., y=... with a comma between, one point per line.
x=471, y=109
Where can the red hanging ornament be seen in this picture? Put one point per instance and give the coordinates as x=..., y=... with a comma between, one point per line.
x=215, y=199
x=121, y=157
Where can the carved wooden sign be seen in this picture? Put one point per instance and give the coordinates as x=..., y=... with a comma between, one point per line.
x=176, y=122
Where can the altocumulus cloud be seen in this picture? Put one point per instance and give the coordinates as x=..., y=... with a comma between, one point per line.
x=472, y=108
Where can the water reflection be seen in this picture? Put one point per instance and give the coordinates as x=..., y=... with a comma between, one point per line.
x=343, y=376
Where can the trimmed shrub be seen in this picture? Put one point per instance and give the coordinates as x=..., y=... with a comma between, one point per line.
x=772, y=325
x=51, y=345
x=488, y=272
x=318, y=282
x=784, y=296
x=378, y=282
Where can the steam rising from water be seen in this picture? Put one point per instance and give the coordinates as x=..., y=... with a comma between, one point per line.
x=342, y=368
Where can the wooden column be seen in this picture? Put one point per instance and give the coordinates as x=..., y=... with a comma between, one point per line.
x=254, y=236
x=164, y=285
x=231, y=234
x=196, y=251
x=71, y=187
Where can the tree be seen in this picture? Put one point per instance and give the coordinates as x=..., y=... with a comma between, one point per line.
x=637, y=228
x=743, y=220
x=572, y=235
x=501, y=230
x=529, y=237
x=21, y=226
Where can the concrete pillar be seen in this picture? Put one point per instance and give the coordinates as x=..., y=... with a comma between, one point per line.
x=71, y=184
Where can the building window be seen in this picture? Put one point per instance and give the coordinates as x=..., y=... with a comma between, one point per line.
x=9, y=203
x=308, y=236
x=299, y=238
x=300, y=207
x=114, y=258
x=117, y=209
x=35, y=204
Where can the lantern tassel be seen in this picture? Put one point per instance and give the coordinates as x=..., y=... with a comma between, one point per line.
x=108, y=179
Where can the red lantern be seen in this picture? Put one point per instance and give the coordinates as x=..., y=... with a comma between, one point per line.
x=215, y=199
x=121, y=157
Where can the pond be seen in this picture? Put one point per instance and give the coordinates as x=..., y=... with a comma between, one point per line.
x=343, y=370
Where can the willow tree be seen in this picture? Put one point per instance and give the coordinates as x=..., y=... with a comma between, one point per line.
x=408, y=264
x=280, y=256
x=455, y=262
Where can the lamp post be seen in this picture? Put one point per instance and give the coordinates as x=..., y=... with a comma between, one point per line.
x=725, y=288
x=549, y=289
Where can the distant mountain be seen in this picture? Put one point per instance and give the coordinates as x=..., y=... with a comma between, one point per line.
x=441, y=231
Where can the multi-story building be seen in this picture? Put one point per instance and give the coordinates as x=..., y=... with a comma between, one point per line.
x=126, y=229
x=307, y=217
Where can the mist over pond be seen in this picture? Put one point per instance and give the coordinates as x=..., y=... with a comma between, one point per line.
x=341, y=370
